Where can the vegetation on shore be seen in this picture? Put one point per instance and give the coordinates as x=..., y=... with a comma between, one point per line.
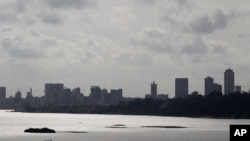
x=215, y=105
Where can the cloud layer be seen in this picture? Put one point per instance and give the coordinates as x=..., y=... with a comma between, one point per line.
x=123, y=44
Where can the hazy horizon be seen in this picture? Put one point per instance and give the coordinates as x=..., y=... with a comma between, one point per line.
x=122, y=44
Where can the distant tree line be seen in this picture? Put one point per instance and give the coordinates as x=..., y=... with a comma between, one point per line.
x=236, y=105
x=214, y=105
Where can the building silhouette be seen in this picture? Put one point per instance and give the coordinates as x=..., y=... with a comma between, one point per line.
x=66, y=97
x=95, y=93
x=154, y=90
x=103, y=97
x=53, y=93
x=2, y=93
x=18, y=95
x=77, y=98
x=209, y=85
x=113, y=97
x=238, y=89
x=217, y=88
x=116, y=94
x=181, y=87
x=228, y=81
x=29, y=96
x=162, y=96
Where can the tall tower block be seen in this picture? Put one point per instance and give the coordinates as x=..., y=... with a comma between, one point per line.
x=154, y=90
x=181, y=87
x=228, y=81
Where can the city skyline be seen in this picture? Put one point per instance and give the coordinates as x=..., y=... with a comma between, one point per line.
x=122, y=44
x=181, y=87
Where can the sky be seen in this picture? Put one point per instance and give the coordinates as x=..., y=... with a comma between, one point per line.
x=124, y=44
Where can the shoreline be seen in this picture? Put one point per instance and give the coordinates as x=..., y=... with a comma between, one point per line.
x=196, y=117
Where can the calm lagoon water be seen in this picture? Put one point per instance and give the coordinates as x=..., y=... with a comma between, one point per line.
x=13, y=124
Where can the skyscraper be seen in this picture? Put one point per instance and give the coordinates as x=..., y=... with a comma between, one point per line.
x=209, y=82
x=2, y=93
x=95, y=93
x=181, y=87
x=154, y=90
x=53, y=93
x=228, y=81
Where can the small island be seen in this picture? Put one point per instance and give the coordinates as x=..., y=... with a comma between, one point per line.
x=116, y=126
x=39, y=130
x=163, y=127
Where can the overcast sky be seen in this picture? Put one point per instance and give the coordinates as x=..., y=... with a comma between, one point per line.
x=122, y=44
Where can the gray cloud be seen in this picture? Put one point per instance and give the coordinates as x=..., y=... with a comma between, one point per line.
x=183, y=2
x=161, y=48
x=17, y=6
x=50, y=18
x=14, y=50
x=141, y=59
x=154, y=39
x=25, y=53
x=244, y=35
x=202, y=25
x=172, y=21
x=188, y=4
x=29, y=44
x=20, y=6
x=219, y=50
x=152, y=32
x=148, y=1
x=70, y=3
x=8, y=17
x=197, y=46
x=134, y=59
x=208, y=24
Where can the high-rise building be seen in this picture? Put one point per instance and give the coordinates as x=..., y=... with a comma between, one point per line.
x=77, y=98
x=53, y=93
x=154, y=90
x=29, y=96
x=238, y=89
x=181, y=87
x=2, y=93
x=217, y=88
x=18, y=95
x=228, y=81
x=66, y=97
x=116, y=93
x=115, y=96
x=95, y=93
x=209, y=82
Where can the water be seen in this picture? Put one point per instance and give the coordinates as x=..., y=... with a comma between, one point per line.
x=13, y=124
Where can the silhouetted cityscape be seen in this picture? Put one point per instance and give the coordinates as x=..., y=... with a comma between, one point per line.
x=57, y=95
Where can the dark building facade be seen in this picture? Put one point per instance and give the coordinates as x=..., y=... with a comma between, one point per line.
x=95, y=93
x=66, y=96
x=2, y=93
x=53, y=93
x=217, y=88
x=77, y=98
x=228, y=81
x=209, y=84
x=154, y=90
x=181, y=87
